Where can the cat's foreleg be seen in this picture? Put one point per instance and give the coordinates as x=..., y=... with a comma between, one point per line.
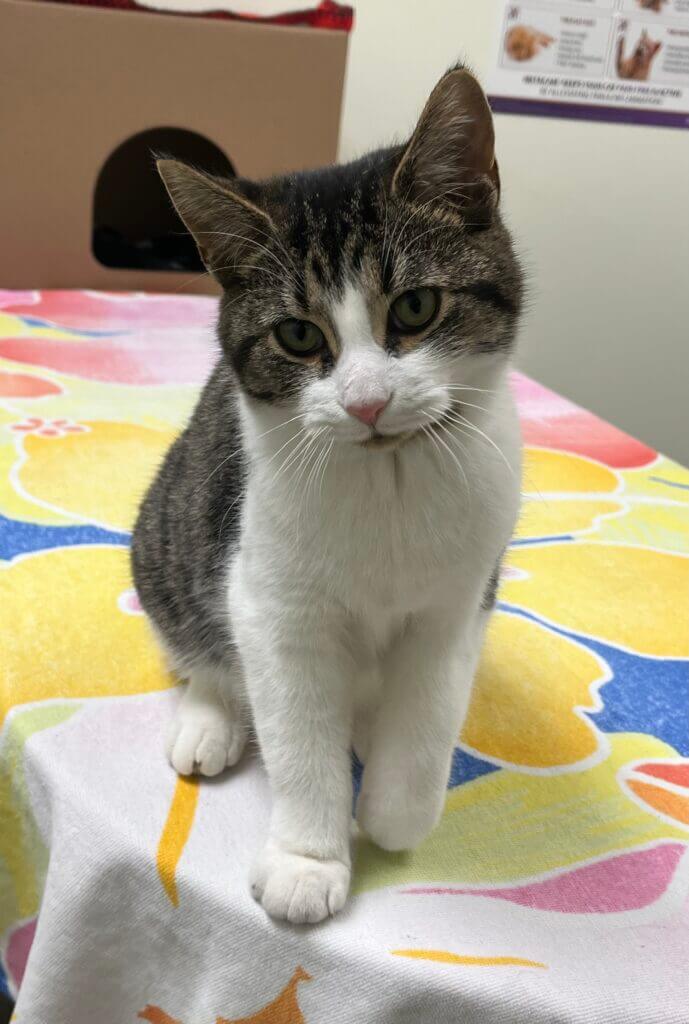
x=298, y=679
x=208, y=731
x=428, y=678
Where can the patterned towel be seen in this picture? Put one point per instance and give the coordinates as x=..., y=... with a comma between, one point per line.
x=554, y=889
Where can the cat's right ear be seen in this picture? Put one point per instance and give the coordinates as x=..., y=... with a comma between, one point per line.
x=226, y=227
x=450, y=158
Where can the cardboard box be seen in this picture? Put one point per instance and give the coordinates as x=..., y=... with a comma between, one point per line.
x=81, y=84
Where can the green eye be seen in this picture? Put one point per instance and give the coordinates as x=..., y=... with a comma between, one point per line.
x=300, y=337
x=414, y=309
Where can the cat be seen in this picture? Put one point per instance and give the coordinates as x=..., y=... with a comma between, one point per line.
x=523, y=42
x=638, y=66
x=320, y=550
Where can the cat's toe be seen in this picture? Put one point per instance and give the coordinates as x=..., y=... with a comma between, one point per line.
x=204, y=743
x=302, y=890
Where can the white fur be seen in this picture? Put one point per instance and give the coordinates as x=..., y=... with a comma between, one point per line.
x=355, y=601
x=208, y=732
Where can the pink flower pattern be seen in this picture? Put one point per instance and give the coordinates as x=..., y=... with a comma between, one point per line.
x=48, y=428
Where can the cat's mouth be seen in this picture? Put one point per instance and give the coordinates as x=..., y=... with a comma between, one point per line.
x=382, y=441
x=389, y=440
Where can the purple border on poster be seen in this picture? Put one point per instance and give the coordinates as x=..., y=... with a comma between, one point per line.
x=589, y=112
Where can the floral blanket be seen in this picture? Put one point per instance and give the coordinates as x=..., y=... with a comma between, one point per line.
x=556, y=886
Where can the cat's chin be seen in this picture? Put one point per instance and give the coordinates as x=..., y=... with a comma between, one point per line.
x=388, y=441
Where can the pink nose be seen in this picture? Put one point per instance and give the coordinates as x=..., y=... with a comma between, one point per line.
x=367, y=412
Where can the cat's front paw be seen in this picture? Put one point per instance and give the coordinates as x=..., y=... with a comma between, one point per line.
x=204, y=739
x=396, y=820
x=299, y=889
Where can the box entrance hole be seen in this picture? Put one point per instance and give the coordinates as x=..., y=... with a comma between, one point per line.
x=135, y=226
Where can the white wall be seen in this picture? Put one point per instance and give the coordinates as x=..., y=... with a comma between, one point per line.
x=600, y=213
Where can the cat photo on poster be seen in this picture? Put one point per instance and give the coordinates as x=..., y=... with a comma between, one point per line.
x=598, y=60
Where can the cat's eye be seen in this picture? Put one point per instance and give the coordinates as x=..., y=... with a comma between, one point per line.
x=299, y=337
x=413, y=310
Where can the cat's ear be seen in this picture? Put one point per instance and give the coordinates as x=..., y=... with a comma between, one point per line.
x=451, y=155
x=226, y=226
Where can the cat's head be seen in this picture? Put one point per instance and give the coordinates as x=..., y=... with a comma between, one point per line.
x=361, y=297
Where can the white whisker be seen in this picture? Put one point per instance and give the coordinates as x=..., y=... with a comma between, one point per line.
x=249, y=241
x=441, y=413
x=472, y=426
x=290, y=441
x=320, y=465
x=429, y=433
x=323, y=471
x=237, y=451
x=227, y=512
x=272, y=274
x=451, y=454
x=313, y=471
x=466, y=387
x=309, y=460
x=293, y=455
x=221, y=464
x=310, y=450
x=463, y=448
x=470, y=405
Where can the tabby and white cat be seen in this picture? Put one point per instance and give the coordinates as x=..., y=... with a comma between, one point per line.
x=320, y=550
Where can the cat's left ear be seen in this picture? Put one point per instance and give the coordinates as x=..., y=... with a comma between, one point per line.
x=226, y=226
x=451, y=155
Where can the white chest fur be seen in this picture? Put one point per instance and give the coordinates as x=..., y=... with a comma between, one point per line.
x=381, y=534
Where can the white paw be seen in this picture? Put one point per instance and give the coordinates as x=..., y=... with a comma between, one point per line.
x=394, y=819
x=204, y=739
x=299, y=889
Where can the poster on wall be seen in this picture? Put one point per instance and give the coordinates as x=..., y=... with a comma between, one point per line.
x=597, y=60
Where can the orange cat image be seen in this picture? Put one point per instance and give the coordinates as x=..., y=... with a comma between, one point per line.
x=283, y=1010
x=651, y=5
x=523, y=42
x=638, y=65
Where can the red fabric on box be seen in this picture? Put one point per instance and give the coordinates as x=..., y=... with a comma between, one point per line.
x=327, y=14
